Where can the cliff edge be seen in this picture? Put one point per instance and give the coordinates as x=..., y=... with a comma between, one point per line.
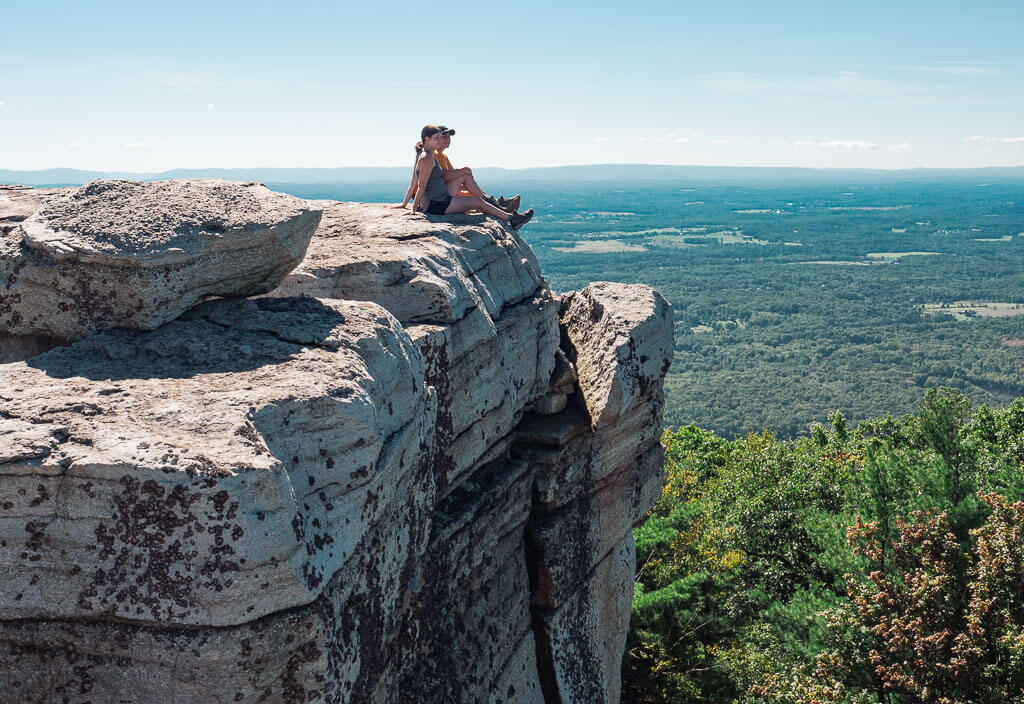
x=314, y=452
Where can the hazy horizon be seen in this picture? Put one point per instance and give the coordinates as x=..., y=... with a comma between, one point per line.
x=624, y=172
x=496, y=167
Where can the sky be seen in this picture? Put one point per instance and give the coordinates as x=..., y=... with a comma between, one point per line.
x=153, y=86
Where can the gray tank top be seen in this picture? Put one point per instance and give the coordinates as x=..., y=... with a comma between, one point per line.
x=436, y=190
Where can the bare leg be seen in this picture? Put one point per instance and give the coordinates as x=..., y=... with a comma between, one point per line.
x=461, y=204
x=464, y=184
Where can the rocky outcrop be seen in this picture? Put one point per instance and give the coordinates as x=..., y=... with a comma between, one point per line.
x=408, y=474
x=17, y=203
x=138, y=255
x=471, y=295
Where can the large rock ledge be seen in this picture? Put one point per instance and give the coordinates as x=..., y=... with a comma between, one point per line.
x=138, y=255
x=210, y=472
x=406, y=474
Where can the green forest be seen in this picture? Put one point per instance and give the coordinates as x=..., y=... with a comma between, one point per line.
x=882, y=563
x=795, y=300
x=869, y=545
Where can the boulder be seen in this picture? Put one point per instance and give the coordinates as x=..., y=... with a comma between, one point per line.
x=597, y=471
x=137, y=255
x=17, y=203
x=619, y=336
x=423, y=269
x=216, y=470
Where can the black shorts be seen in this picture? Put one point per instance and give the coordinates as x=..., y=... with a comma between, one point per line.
x=437, y=207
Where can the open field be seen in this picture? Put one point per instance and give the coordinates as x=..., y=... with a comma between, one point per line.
x=600, y=247
x=899, y=255
x=965, y=310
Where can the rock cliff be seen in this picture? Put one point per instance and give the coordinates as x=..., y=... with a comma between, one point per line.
x=406, y=472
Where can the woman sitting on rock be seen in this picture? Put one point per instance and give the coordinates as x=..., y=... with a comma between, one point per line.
x=436, y=196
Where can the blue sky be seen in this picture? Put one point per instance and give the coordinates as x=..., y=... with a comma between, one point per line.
x=140, y=86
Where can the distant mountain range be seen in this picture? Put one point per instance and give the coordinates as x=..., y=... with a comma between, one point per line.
x=593, y=172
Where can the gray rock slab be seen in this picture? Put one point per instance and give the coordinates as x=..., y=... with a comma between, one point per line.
x=471, y=294
x=580, y=644
x=17, y=203
x=137, y=255
x=344, y=491
x=421, y=268
x=218, y=469
x=619, y=336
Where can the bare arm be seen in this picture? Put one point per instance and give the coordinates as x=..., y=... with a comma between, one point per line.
x=412, y=188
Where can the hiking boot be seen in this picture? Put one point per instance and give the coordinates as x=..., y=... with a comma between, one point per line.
x=492, y=200
x=517, y=220
x=509, y=203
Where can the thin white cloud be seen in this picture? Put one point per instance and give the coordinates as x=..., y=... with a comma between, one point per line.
x=990, y=140
x=903, y=146
x=74, y=145
x=600, y=139
x=840, y=82
x=210, y=106
x=962, y=69
x=1, y=103
x=136, y=145
x=719, y=141
x=836, y=144
x=680, y=140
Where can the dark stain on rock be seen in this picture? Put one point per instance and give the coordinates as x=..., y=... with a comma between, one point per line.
x=147, y=562
x=41, y=495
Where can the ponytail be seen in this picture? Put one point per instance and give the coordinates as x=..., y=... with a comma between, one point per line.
x=418, y=147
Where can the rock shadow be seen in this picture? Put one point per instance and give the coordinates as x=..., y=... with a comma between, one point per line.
x=217, y=337
x=459, y=218
x=17, y=348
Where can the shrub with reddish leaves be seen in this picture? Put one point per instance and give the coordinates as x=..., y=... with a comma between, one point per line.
x=947, y=621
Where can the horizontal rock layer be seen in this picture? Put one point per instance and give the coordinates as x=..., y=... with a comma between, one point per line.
x=137, y=255
x=382, y=483
x=210, y=472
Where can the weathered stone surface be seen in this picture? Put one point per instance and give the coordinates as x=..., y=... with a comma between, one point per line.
x=17, y=203
x=315, y=499
x=422, y=270
x=582, y=641
x=137, y=255
x=475, y=597
x=619, y=337
x=472, y=295
x=598, y=470
x=221, y=468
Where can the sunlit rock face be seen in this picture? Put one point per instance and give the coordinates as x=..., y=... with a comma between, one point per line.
x=407, y=474
x=138, y=255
